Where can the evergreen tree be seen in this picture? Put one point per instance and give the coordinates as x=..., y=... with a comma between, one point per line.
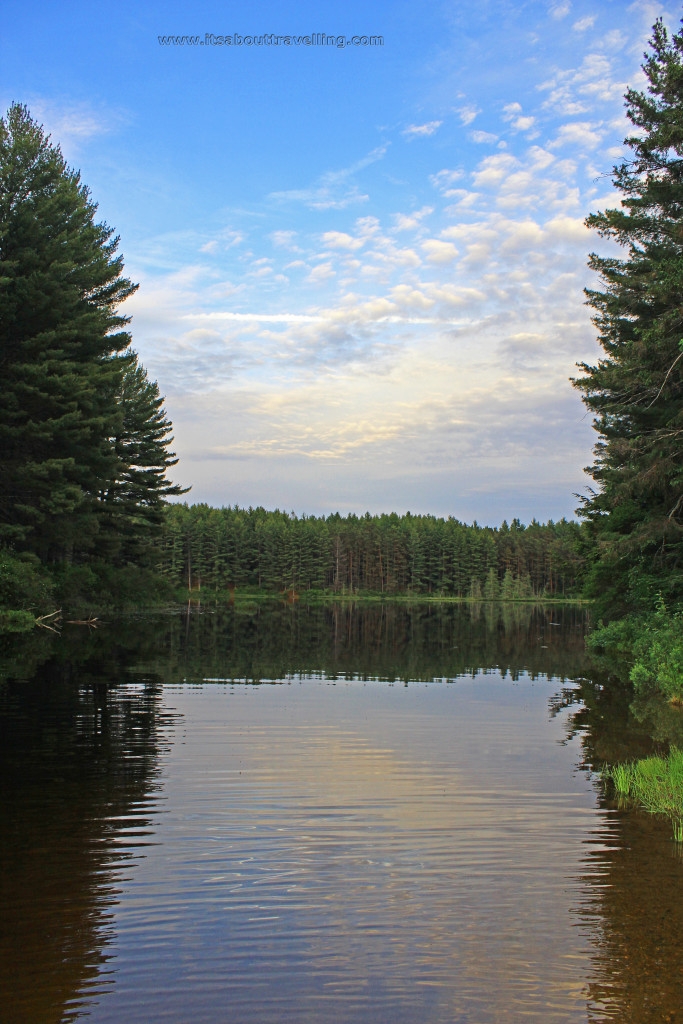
x=83, y=435
x=636, y=391
x=60, y=284
x=491, y=589
x=133, y=500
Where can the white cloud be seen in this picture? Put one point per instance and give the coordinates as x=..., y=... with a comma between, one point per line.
x=367, y=227
x=481, y=137
x=444, y=179
x=512, y=113
x=574, y=91
x=465, y=200
x=406, y=222
x=273, y=318
x=71, y=125
x=468, y=113
x=614, y=40
x=523, y=235
x=421, y=130
x=581, y=134
x=583, y=23
x=560, y=9
x=322, y=197
x=222, y=241
x=493, y=169
x=438, y=251
x=284, y=239
x=334, y=190
x=477, y=253
x=511, y=110
x=340, y=240
x=568, y=229
x=539, y=157
x=323, y=272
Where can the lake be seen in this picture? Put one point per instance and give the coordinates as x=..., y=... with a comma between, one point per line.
x=375, y=814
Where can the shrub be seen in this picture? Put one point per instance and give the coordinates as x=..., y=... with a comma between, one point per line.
x=24, y=584
x=658, y=651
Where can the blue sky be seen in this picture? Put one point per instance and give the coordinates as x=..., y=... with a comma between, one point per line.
x=360, y=266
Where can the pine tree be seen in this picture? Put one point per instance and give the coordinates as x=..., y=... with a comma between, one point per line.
x=60, y=284
x=636, y=392
x=134, y=498
x=83, y=436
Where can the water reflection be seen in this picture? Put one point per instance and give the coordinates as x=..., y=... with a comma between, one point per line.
x=79, y=751
x=383, y=641
x=333, y=847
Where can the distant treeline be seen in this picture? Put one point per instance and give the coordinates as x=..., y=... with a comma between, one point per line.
x=218, y=549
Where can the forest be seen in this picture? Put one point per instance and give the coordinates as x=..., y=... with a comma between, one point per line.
x=228, y=548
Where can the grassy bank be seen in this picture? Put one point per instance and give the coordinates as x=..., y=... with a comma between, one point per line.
x=654, y=783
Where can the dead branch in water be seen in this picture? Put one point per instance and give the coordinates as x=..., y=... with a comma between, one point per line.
x=91, y=623
x=54, y=617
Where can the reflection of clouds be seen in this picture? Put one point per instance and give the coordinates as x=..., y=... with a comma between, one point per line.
x=415, y=846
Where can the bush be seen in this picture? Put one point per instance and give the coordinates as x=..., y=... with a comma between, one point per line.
x=658, y=652
x=16, y=621
x=648, y=650
x=24, y=584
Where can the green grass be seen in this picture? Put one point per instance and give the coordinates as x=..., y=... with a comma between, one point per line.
x=656, y=783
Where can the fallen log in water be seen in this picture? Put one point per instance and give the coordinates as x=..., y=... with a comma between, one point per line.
x=91, y=622
x=51, y=621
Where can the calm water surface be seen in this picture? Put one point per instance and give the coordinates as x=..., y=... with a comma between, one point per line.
x=327, y=815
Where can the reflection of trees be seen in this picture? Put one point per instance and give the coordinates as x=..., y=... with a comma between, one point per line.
x=386, y=641
x=635, y=918
x=632, y=910
x=612, y=724
x=80, y=745
x=600, y=714
x=78, y=756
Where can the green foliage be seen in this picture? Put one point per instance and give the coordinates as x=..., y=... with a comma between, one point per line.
x=133, y=502
x=616, y=638
x=24, y=584
x=656, y=783
x=658, y=652
x=646, y=649
x=83, y=435
x=491, y=590
x=60, y=284
x=100, y=586
x=217, y=549
x=635, y=515
x=16, y=621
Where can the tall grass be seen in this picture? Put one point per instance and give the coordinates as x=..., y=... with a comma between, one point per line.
x=656, y=783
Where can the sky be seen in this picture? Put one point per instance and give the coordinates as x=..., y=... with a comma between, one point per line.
x=361, y=260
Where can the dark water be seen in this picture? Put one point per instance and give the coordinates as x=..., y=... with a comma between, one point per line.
x=328, y=815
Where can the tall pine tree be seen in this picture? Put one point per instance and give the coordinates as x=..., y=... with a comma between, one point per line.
x=133, y=500
x=82, y=433
x=635, y=513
